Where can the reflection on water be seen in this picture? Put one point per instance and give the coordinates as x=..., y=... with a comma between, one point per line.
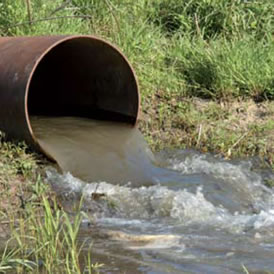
x=185, y=212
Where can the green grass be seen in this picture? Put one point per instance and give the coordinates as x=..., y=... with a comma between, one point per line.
x=220, y=48
x=220, y=69
x=42, y=236
x=210, y=49
x=214, y=18
x=14, y=19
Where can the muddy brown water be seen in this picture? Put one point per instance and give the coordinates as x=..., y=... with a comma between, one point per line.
x=174, y=212
x=97, y=150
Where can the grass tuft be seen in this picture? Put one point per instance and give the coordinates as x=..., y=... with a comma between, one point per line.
x=43, y=237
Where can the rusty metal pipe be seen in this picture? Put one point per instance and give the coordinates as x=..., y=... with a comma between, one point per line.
x=63, y=76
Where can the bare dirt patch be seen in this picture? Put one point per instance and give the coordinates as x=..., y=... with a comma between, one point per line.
x=234, y=128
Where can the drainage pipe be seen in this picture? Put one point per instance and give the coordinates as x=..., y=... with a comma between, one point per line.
x=81, y=76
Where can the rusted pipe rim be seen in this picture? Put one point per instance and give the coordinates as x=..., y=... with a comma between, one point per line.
x=48, y=50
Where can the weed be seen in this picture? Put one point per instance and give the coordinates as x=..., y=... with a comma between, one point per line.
x=44, y=238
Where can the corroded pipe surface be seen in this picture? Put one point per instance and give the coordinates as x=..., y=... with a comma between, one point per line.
x=63, y=76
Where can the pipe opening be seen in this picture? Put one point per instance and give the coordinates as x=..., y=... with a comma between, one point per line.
x=84, y=77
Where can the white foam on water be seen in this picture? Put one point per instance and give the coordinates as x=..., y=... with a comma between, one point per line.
x=264, y=219
x=65, y=181
x=240, y=176
x=122, y=205
x=178, y=226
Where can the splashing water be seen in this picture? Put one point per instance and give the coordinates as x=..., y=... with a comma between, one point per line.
x=183, y=212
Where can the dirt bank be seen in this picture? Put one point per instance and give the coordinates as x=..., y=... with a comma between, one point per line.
x=231, y=128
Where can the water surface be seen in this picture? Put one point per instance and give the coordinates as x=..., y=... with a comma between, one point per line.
x=175, y=212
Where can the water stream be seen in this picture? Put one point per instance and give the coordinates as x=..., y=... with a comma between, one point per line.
x=174, y=212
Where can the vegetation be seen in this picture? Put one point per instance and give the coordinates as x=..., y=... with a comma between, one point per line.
x=43, y=238
x=205, y=69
